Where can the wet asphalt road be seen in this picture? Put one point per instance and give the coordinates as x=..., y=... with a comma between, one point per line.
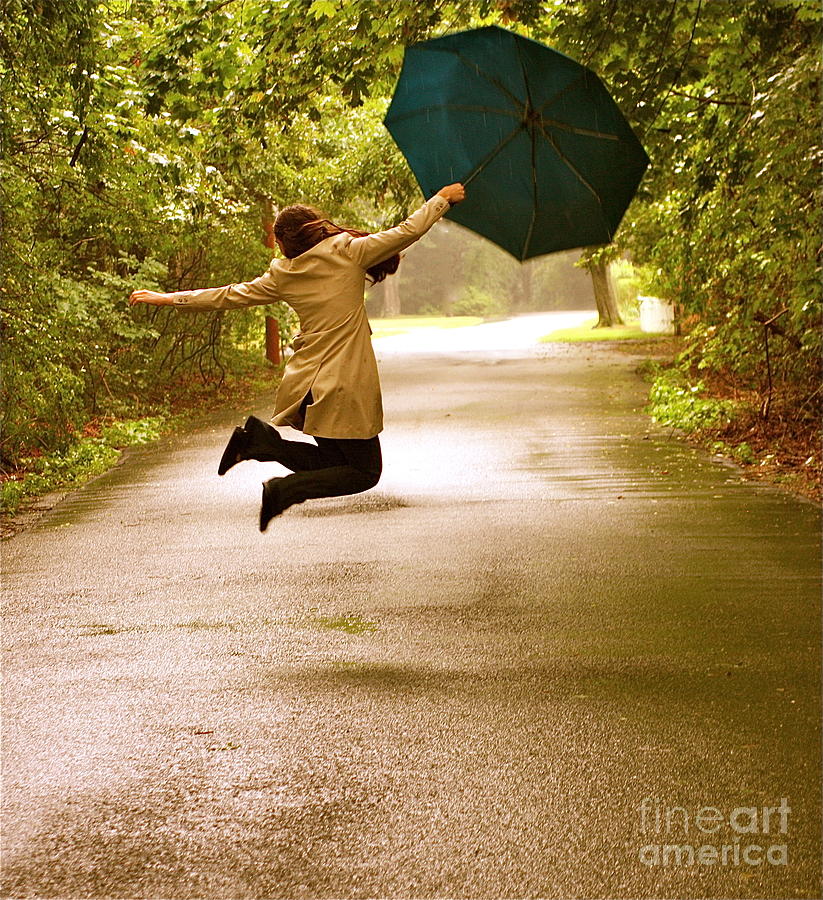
x=466, y=682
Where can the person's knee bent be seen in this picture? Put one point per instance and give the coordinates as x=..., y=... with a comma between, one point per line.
x=369, y=478
x=365, y=460
x=360, y=478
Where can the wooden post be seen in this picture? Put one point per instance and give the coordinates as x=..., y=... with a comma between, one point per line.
x=272, y=341
x=267, y=217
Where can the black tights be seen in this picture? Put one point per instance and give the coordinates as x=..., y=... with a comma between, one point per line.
x=331, y=467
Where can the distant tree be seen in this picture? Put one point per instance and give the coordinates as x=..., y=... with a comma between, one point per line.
x=596, y=262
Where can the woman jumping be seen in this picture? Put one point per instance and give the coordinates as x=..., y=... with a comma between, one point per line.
x=330, y=387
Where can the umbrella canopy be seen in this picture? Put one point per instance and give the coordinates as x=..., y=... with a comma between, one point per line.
x=551, y=162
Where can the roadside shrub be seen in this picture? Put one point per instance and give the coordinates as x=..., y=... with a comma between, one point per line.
x=79, y=461
x=675, y=400
x=64, y=345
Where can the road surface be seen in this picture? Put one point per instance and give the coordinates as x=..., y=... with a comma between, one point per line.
x=552, y=643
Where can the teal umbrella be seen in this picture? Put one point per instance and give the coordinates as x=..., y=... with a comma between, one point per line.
x=548, y=160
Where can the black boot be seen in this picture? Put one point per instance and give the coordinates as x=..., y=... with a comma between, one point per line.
x=272, y=503
x=264, y=441
x=235, y=450
x=261, y=433
x=278, y=495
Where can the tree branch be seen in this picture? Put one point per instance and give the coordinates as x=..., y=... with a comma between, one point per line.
x=680, y=69
x=709, y=99
x=79, y=146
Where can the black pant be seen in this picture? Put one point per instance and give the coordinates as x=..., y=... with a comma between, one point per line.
x=331, y=467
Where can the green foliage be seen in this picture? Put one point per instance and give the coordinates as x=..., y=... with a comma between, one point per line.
x=254, y=62
x=80, y=461
x=741, y=453
x=99, y=199
x=144, y=144
x=476, y=302
x=675, y=400
x=588, y=331
x=725, y=98
x=129, y=433
x=628, y=283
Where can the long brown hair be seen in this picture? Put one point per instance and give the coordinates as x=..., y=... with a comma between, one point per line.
x=301, y=227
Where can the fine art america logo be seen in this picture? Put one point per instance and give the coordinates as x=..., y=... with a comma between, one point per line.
x=709, y=836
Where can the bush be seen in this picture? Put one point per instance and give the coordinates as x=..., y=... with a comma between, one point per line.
x=78, y=462
x=474, y=301
x=75, y=352
x=675, y=400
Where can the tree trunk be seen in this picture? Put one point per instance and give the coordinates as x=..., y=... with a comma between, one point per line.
x=391, y=296
x=267, y=220
x=607, y=313
x=523, y=301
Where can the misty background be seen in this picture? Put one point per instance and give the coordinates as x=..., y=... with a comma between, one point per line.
x=452, y=271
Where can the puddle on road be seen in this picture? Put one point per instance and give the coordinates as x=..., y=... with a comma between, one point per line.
x=97, y=629
x=619, y=466
x=350, y=624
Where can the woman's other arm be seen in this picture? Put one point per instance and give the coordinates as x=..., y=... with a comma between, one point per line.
x=231, y=296
x=374, y=248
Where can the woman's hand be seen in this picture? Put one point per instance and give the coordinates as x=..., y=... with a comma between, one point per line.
x=153, y=298
x=454, y=193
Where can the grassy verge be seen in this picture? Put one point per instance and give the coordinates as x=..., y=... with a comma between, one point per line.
x=88, y=456
x=404, y=324
x=729, y=424
x=587, y=332
x=103, y=440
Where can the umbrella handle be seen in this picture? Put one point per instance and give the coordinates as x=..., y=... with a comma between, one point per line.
x=470, y=178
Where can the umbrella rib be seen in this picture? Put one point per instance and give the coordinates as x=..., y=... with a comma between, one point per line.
x=456, y=106
x=569, y=86
x=574, y=169
x=573, y=128
x=533, y=139
x=489, y=157
x=586, y=132
x=478, y=71
x=527, y=241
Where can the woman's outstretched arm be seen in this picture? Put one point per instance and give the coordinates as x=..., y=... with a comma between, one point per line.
x=231, y=296
x=374, y=248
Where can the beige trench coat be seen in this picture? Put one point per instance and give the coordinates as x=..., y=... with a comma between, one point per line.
x=333, y=355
